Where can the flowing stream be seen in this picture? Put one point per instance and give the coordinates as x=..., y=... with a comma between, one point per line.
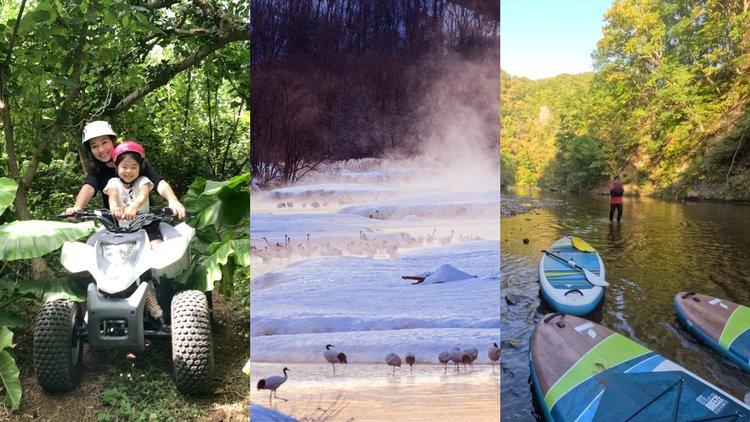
x=660, y=248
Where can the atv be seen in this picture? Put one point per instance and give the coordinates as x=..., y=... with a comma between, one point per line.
x=130, y=300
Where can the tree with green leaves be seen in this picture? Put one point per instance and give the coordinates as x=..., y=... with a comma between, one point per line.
x=107, y=56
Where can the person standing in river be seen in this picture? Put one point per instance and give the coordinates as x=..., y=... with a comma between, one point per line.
x=615, y=198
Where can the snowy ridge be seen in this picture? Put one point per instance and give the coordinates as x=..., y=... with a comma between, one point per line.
x=263, y=326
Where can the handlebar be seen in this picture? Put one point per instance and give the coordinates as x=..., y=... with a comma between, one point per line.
x=110, y=222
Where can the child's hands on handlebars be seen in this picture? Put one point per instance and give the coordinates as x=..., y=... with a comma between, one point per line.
x=129, y=212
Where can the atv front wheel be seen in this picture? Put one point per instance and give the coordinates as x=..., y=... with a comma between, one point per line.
x=58, y=346
x=192, y=342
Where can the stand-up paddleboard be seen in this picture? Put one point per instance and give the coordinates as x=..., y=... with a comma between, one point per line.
x=724, y=325
x=583, y=371
x=570, y=277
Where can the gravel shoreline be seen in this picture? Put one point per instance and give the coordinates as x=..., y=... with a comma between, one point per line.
x=511, y=205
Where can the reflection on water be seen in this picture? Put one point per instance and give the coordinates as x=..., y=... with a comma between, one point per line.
x=659, y=249
x=366, y=392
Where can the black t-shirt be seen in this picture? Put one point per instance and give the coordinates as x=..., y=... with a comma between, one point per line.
x=98, y=180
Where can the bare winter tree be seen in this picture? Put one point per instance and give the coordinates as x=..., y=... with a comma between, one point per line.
x=362, y=70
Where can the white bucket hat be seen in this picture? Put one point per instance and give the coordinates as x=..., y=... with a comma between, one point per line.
x=97, y=129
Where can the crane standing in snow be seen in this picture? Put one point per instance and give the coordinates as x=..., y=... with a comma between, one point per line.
x=273, y=383
x=333, y=357
x=410, y=360
x=455, y=356
x=446, y=240
x=494, y=354
x=393, y=360
x=444, y=357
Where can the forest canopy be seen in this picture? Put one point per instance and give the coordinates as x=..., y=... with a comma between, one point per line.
x=173, y=75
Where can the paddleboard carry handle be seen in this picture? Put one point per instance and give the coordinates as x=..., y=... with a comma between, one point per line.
x=551, y=317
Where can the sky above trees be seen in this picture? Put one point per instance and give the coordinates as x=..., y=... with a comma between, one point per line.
x=545, y=38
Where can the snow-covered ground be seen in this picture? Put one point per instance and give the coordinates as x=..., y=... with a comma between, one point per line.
x=328, y=256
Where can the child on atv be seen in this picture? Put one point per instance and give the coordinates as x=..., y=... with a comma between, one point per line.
x=128, y=192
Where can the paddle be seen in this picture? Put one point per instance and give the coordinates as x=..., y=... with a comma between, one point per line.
x=590, y=277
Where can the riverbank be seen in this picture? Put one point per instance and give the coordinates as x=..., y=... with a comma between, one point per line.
x=511, y=205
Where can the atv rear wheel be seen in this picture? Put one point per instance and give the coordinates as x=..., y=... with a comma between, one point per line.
x=58, y=346
x=192, y=342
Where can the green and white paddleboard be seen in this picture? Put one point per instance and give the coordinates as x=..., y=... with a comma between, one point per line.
x=583, y=371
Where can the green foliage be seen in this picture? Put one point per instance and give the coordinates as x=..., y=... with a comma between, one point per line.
x=533, y=113
x=45, y=290
x=668, y=77
x=581, y=162
x=9, y=372
x=144, y=394
x=220, y=213
x=33, y=238
x=54, y=187
x=23, y=240
x=507, y=171
x=7, y=193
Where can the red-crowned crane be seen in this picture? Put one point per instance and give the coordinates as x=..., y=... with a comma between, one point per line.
x=273, y=383
x=334, y=357
x=469, y=356
x=494, y=354
x=455, y=356
x=410, y=360
x=393, y=360
x=444, y=357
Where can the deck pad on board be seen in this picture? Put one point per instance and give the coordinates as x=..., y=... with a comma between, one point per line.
x=584, y=371
x=722, y=324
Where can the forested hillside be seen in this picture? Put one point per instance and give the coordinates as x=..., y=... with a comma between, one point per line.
x=667, y=106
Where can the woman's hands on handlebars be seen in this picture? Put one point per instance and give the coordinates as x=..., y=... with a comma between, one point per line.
x=178, y=210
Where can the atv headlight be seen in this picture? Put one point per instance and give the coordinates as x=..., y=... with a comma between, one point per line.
x=116, y=254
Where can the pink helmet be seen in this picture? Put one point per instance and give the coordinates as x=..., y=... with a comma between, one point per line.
x=128, y=146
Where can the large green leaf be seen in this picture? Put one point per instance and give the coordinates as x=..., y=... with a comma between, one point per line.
x=236, y=209
x=32, y=238
x=7, y=193
x=71, y=288
x=241, y=251
x=9, y=372
x=11, y=319
x=212, y=264
x=207, y=216
x=208, y=269
x=6, y=338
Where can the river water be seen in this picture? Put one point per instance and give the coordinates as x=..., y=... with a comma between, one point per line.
x=660, y=248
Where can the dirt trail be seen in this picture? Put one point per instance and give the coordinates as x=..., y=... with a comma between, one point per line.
x=229, y=402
